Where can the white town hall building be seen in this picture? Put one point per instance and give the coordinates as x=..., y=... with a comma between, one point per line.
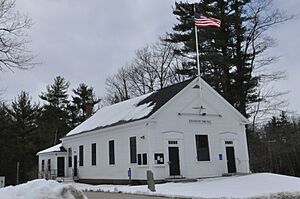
x=175, y=132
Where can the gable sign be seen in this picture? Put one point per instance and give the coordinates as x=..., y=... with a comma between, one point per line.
x=200, y=121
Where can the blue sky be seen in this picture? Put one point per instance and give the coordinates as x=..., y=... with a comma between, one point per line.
x=88, y=40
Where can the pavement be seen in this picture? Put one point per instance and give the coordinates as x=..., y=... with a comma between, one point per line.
x=105, y=195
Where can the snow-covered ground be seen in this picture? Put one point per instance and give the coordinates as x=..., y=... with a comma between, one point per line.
x=261, y=184
x=41, y=189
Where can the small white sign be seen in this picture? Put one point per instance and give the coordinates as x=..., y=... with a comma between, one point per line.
x=2, y=181
x=200, y=121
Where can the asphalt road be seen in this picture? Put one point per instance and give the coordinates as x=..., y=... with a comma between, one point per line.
x=100, y=195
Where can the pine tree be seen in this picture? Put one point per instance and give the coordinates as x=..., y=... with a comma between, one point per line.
x=83, y=96
x=55, y=118
x=6, y=143
x=24, y=116
x=228, y=55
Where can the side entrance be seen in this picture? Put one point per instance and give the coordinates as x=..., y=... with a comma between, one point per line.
x=60, y=166
x=174, y=161
x=230, y=159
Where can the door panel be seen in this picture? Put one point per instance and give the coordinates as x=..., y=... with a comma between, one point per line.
x=230, y=159
x=60, y=166
x=174, y=161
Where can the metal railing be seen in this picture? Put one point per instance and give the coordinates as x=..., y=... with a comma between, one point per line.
x=55, y=174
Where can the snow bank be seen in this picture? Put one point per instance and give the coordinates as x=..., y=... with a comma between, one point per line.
x=41, y=189
x=261, y=185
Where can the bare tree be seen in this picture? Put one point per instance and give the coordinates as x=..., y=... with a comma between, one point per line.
x=262, y=18
x=13, y=42
x=117, y=87
x=152, y=68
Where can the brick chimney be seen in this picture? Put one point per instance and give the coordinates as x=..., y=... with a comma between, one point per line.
x=88, y=109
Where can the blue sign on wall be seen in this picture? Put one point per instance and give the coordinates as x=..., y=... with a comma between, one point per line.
x=220, y=157
x=129, y=172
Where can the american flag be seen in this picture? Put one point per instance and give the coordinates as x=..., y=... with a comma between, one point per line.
x=202, y=21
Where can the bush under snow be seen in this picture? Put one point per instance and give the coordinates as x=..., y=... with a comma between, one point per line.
x=41, y=189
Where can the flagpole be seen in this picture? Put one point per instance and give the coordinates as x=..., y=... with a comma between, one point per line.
x=198, y=60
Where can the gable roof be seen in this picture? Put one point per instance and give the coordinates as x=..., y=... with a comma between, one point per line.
x=56, y=148
x=130, y=110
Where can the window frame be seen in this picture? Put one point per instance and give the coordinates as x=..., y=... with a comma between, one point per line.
x=142, y=159
x=133, y=150
x=49, y=165
x=70, y=164
x=111, y=152
x=43, y=166
x=159, y=155
x=81, y=155
x=199, y=149
x=93, y=154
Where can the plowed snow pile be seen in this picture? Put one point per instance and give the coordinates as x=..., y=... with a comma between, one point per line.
x=41, y=189
x=257, y=186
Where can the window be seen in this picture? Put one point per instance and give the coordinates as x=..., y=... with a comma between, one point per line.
x=142, y=159
x=139, y=159
x=228, y=142
x=132, y=145
x=94, y=154
x=111, y=149
x=49, y=165
x=70, y=157
x=81, y=155
x=202, y=148
x=159, y=158
x=145, y=159
x=43, y=165
x=172, y=142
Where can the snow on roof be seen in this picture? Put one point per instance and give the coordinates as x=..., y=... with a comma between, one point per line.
x=56, y=148
x=130, y=110
x=121, y=112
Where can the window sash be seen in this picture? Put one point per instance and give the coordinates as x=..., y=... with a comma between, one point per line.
x=49, y=165
x=81, y=155
x=43, y=165
x=70, y=157
x=202, y=147
x=111, y=149
x=94, y=154
x=133, y=150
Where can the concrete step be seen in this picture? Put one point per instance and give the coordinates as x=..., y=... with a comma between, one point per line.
x=65, y=179
x=182, y=179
